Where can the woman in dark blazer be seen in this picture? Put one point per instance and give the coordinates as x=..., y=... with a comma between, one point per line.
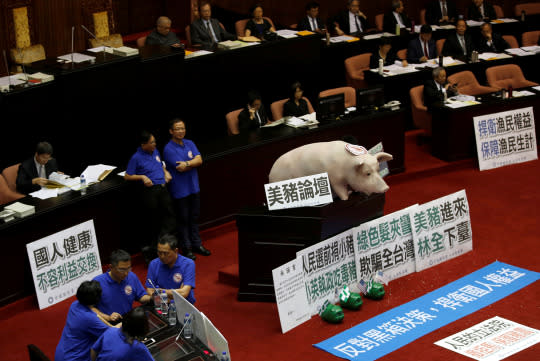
x=257, y=25
x=295, y=106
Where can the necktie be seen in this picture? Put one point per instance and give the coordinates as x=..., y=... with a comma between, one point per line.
x=258, y=118
x=42, y=173
x=443, y=7
x=482, y=11
x=426, y=54
x=212, y=36
x=313, y=26
x=358, y=27
x=462, y=41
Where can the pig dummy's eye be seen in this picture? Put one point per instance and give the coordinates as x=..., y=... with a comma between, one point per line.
x=368, y=174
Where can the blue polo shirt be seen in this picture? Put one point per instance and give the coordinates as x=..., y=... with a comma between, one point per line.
x=119, y=297
x=82, y=329
x=143, y=163
x=113, y=346
x=183, y=183
x=182, y=273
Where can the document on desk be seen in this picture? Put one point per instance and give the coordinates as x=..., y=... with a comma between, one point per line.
x=45, y=193
x=193, y=54
x=58, y=180
x=518, y=52
x=472, y=23
x=274, y=123
x=286, y=33
x=99, y=49
x=342, y=38
x=504, y=20
x=77, y=58
x=493, y=56
x=446, y=27
x=11, y=80
x=532, y=49
x=96, y=173
x=521, y=93
x=459, y=104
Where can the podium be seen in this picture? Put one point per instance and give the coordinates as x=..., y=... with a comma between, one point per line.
x=268, y=239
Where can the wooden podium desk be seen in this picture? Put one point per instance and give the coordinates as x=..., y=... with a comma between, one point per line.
x=453, y=135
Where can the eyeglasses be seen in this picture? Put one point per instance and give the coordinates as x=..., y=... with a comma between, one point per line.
x=124, y=270
x=163, y=253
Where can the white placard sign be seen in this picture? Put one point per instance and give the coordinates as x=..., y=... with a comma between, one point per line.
x=441, y=230
x=327, y=267
x=385, y=244
x=505, y=138
x=62, y=261
x=299, y=192
x=493, y=339
x=291, y=295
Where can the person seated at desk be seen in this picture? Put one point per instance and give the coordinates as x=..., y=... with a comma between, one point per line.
x=295, y=106
x=34, y=172
x=385, y=53
x=311, y=21
x=490, y=42
x=253, y=116
x=171, y=271
x=422, y=48
x=83, y=326
x=146, y=167
x=120, y=287
x=351, y=21
x=438, y=89
x=441, y=12
x=395, y=17
x=459, y=45
x=258, y=26
x=481, y=11
x=207, y=32
x=163, y=35
x=124, y=344
x=182, y=158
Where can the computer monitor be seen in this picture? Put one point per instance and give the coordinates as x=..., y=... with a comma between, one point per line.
x=331, y=107
x=370, y=98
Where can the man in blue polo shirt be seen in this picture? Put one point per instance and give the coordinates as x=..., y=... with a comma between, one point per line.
x=83, y=326
x=120, y=287
x=146, y=168
x=182, y=159
x=171, y=271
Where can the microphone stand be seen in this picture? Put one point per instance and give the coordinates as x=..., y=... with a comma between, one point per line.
x=10, y=86
x=99, y=41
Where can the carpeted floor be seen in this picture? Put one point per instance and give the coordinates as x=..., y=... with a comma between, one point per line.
x=505, y=212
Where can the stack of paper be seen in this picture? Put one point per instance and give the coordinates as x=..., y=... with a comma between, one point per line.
x=518, y=52
x=77, y=58
x=41, y=77
x=58, y=180
x=303, y=121
x=125, y=51
x=6, y=81
x=21, y=210
x=96, y=173
x=193, y=54
x=533, y=49
x=493, y=56
x=474, y=23
x=521, y=93
x=286, y=33
x=45, y=193
x=342, y=38
x=230, y=44
x=99, y=49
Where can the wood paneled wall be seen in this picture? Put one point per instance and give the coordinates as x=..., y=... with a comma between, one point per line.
x=52, y=19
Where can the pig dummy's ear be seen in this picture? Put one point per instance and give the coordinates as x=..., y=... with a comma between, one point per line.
x=383, y=157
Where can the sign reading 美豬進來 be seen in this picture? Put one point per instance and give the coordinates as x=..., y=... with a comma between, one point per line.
x=62, y=261
x=385, y=244
x=327, y=267
x=493, y=339
x=299, y=192
x=441, y=230
x=505, y=138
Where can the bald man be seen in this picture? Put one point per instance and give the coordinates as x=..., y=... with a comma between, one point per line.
x=163, y=35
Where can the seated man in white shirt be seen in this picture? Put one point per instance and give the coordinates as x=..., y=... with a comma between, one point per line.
x=351, y=21
x=311, y=21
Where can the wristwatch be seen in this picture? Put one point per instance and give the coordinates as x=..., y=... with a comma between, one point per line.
x=187, y=163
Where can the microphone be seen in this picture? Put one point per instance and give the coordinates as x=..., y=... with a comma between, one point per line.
x=95, y=37
x=10, y=86
x=72, y=46
x=21, y=55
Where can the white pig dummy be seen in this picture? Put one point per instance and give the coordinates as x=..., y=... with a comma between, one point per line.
x=350, y=167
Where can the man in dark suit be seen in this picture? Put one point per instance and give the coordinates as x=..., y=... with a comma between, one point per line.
x=440, y=12
x=481, y=11
x=437, y=89
x=351, y=21
x=489, y=42
x=207, y=32
x=422, y=48
x=311, y=21
x=34, y=172
x=395, y=17
x=459, y=45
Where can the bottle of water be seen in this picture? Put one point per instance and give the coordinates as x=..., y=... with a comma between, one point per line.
x=224, y=356
x=188, y=329
x=381, y=66
x=83, y=184
x=172, y=313
x=164, y=307
x=157, y=301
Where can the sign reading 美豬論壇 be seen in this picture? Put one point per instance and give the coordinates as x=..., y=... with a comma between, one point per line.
x=385, y=244
x=299, y=192
x=61, y=261
x=441, y=230
x=505, y=138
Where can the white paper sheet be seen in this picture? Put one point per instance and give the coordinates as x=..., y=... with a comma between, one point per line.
x=45, y=193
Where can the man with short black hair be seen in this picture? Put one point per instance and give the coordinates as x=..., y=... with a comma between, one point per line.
x=312, y=22
x=422, y=48
x=206, y=32
x=34, y=172
x=171, y=271
x=351, y=21
x=120, y=287
x=162, y=34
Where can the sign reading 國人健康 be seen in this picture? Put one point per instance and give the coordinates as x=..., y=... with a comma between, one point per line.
x=62, y=261
x=505, y=138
